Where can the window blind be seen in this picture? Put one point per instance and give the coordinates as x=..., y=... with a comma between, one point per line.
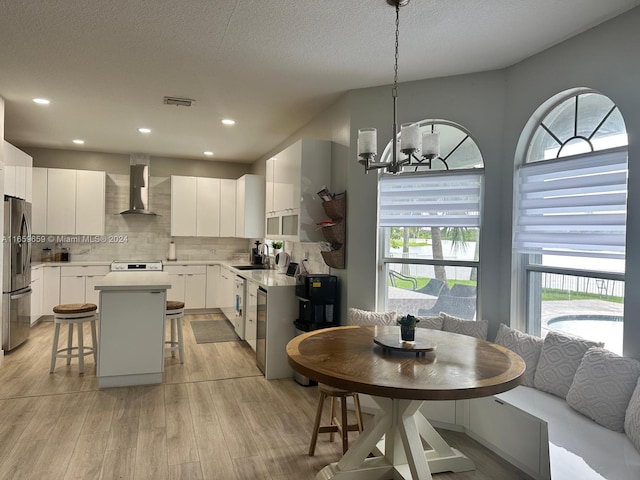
x=573, y=206
x=430, y=199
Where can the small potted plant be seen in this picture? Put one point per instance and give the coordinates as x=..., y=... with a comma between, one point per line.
x=408, y=328
x=276, y=245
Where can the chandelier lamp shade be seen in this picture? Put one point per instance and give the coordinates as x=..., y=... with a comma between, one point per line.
x=416, y=147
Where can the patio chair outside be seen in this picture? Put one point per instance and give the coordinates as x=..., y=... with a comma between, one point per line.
x=395, y=276
x=433, y=287
x=461, y=290
x=462, y=307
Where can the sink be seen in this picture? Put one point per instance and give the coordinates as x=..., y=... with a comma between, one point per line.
x=250, y=267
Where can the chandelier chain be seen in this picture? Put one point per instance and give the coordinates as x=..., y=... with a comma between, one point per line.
x=395, y=70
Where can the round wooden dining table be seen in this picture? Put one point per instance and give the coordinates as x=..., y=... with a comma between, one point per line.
x=459, y=367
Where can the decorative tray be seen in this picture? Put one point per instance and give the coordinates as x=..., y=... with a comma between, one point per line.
x=392, y=342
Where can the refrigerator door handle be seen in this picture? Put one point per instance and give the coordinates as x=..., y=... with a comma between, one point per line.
x=25, y=230
x=20, y=295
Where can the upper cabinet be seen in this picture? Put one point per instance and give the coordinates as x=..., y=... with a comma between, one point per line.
x=294, y=177
x=68, y=202
x=250, y=199
x=217, y=207
x=17, y=172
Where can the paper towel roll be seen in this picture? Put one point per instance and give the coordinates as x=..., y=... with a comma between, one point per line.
x=172, y=251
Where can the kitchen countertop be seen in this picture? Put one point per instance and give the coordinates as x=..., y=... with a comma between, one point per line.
x=266, y=278
x=143, y=280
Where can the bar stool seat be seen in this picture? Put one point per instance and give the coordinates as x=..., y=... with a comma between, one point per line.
x=342, y=426
x=74, y=314
x=174, y=312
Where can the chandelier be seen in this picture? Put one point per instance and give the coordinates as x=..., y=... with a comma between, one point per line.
x=416, y=149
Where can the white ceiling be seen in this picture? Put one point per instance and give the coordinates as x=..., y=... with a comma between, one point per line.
x=271, y=65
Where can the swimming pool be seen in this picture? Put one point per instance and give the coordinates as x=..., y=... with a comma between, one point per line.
x=599, y=328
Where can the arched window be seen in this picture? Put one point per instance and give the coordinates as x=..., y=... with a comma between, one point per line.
x=429, y=219
x=570, y=219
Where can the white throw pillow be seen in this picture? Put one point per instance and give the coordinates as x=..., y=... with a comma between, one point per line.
x=559, y=360
x=434, y=323
x=472, y=328
x=365, y=317
x=525, y=345
x=602, y=387
x=632, y=418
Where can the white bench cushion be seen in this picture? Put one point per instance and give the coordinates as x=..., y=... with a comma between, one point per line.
x=602, y=387
x=471, y=328
x=433, y=323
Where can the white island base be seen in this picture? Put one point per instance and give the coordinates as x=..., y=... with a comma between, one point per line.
x=131, y=337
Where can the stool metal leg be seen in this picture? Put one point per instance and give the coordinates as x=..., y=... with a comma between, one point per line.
x=54, y=349
x=173, y=336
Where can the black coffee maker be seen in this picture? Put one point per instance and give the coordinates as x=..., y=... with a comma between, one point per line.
x=256, y=255
x=317, y=299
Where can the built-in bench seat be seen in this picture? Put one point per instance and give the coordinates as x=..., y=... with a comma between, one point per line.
x=577, y=447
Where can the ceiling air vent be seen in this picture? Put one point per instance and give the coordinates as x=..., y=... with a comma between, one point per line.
x=178, y=102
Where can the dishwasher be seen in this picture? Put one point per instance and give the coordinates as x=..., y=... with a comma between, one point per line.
x=238, y=306
x=261, y=334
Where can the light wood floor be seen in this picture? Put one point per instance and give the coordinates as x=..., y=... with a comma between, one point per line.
x=214, y=417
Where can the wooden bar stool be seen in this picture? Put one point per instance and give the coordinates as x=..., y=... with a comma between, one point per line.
x=74, y=314
x=175, y=312
x=342, y=427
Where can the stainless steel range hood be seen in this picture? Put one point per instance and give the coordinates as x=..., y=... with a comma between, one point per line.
x=138, y=191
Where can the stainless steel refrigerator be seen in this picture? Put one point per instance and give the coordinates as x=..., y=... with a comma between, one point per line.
x=16, y=275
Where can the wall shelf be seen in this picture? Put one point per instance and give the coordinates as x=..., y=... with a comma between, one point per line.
x=336, y=210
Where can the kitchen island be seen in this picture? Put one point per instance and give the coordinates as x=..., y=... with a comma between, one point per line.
x=131, y=328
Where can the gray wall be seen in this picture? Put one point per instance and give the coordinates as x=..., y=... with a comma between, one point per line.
x=495, y=107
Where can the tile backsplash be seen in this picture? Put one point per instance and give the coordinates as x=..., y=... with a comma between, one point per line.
x=146, y=237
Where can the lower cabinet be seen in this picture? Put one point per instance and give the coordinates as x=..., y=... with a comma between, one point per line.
x=506, y=429
x=212, y=299
x=227, y=293
x=77, y=283
x=251, y=314
x=36, y=294
x=188, y=285
x=50, y=289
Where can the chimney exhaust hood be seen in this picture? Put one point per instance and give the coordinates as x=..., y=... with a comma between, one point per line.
x=138, y=190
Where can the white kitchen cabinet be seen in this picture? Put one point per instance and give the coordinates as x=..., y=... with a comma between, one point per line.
x=226, y=293
x=251, y=313
x=17, y=172
x=77, y=283
x=213, y=287
x=39, y=205
x=188, y=285
x=61, y=201
x=36, y=294
x=196, y=207
x=74, y=202
x=299, y=173
x=90, y=202
x=250, y=200
x=183, y=206
x=227, y=207
x=208, y=207
x=50, y=289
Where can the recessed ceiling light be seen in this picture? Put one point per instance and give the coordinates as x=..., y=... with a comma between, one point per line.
x=228, y=121
x=144, y=130
x=41, y=101
x=208, y=153
x=77, y=141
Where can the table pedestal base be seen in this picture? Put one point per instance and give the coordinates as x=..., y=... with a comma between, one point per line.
x=395, y=435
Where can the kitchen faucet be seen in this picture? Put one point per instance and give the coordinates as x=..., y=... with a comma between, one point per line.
x=265, y=258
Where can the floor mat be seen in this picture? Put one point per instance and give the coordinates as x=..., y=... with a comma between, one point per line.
x=213, y=331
